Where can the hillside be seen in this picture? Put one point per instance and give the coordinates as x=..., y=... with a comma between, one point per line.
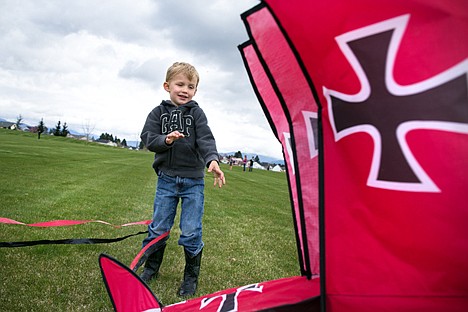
x=248, y=227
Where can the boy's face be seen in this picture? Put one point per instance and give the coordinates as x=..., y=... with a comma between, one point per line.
x=181, y=89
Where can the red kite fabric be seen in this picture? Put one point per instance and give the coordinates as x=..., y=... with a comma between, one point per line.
x=280, y=125
x=289, y=294
x=370, y=103
x=129, y=294
x=300, y=112
x=388, y=82
x=67, y=241
x=141, y=257
x=69, y=222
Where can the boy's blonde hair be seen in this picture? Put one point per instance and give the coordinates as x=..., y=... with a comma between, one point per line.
x=182, y=68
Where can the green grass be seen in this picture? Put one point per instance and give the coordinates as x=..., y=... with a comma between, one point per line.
x=248, y=229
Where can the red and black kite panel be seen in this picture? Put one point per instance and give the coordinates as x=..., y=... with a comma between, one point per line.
x=387, y=81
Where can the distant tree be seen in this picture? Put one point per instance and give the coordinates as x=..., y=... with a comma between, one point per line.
x=57, y=131
x=19, y=119
x=107, y=136
x=64, y=131
x=40, y=129
x=137, y=142
x=257, y=159
x=238, y=154
x=87, y=130
x=141, y=146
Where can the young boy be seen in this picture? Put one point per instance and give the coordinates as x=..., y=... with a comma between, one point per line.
x=177, y=132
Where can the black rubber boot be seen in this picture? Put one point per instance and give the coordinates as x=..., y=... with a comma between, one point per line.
x=191, y=272
x=152, y=265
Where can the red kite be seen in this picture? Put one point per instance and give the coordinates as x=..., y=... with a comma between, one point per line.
x=369, y=100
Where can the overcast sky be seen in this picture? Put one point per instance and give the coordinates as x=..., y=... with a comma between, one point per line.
x=103, y=63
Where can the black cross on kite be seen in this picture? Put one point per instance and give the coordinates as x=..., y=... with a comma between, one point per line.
x=388, y=111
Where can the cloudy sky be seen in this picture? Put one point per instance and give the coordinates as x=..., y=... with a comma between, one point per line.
x=103, y=64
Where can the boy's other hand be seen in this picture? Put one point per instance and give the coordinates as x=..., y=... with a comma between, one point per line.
x=175, y=135
x=217, y=173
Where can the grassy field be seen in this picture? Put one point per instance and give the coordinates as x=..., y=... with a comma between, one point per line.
x=248, y=230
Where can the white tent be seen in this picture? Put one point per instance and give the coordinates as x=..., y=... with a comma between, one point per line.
x=256, y=165
x=276, y=168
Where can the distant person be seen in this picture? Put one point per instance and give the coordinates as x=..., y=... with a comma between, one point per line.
x=177, y=132
x=251, y=164
x=231, y=162
x=244, y=162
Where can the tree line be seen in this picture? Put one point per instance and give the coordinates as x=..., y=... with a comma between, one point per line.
x=59, y=130
x=62, y=130
x=109, y=137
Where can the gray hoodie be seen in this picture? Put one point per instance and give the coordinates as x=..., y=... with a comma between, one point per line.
x=186, y=157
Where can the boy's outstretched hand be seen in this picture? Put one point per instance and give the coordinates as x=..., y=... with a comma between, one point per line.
x=217, y=173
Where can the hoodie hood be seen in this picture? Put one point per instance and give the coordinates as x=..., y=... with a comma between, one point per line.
x=168, y=104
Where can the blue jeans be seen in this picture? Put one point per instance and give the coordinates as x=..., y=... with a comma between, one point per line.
x=168, y=192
